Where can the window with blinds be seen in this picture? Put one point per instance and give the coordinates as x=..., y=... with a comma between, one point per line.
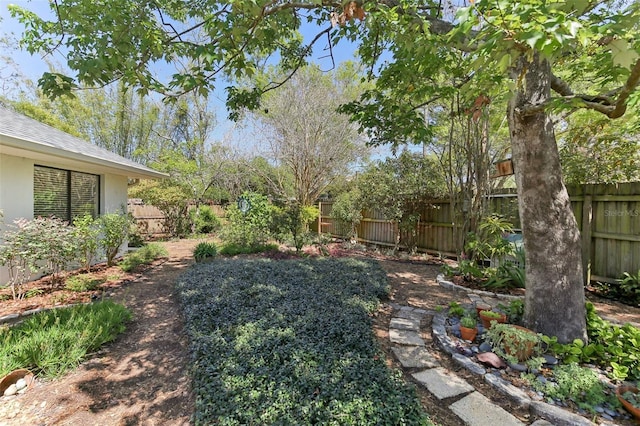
x=64, y=194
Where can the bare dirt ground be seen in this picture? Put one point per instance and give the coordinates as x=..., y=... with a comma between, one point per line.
x=143, y=377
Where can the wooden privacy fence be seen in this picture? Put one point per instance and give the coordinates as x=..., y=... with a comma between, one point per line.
x=150, y=219
x=608, y=216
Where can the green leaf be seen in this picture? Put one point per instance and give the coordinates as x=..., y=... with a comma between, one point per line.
x=621, y=54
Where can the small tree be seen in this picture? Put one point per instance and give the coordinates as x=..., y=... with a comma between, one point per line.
x=294, y=219
x=347, y=209
x=114, y=228
x=171, y=200
x=249, y=224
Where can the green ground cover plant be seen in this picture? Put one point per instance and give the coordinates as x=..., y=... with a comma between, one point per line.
x=291, y=342
x=144, y=255
x=233, y=249
x=51, y=343
x=83, y=282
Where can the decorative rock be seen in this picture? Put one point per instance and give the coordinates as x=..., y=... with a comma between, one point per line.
x=469, y=364
x=21, y=384
x=611, y=412
x=491, y=359
x=485, y=347
x=518, y=367
x=11, y=390
x=541, y=379
x=550, y=359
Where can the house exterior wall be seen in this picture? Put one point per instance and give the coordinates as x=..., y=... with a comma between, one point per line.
x=16, y=190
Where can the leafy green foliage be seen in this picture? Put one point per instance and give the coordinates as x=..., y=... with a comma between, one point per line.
x=400, y=188
x=41, y=245
x=232, y=249
x=513, y=343
x=614, y=347
x=292, y=220
x=456, y=310
x=508, y=274
x=114, y=230
x=50, y=343
x=142, y=256
x=629, y=287
x=490, y=243
x=82, y=282
x=251, y=227
x=291, y=342
x=204, y=220
x=347, y=209
x=86, y=232
x=204, y=250
x=172, y=200
x=579, y=384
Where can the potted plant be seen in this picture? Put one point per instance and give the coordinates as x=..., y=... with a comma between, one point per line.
x=468, y=329
x=488, y=317
x=514, y=343
x=630, y=399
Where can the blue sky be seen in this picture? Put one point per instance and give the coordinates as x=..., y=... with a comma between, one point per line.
x=32, y=66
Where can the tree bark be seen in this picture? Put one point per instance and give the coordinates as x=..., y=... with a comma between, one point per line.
x=554, y=301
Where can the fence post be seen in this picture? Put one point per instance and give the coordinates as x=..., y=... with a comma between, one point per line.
x=587, y=220
x=319, y=217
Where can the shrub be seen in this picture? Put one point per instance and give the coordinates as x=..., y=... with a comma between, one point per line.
x=86, y=232
x=142, y=256
x=204, y=250
x=204, y=220
x=629, y=287
x=83, y=282
x=50, y=343
x=347, y=209
x=114, y=229
x=291, y=342
x=252, y=227
x=41, y=245
x=292, y=221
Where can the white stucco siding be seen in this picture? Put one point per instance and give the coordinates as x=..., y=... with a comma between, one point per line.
x=113, y=197
x=16, y=188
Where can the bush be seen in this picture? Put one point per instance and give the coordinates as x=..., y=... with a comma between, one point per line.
x=142, y=256
x=347, y=209
x=291, y=342
x=252, y=227
x=50, y=343
x=86, y=232
x=114, y=229
x=292, y=221
x=204, y=220
x=204, y=250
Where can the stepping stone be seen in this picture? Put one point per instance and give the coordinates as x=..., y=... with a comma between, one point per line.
x=442, y=383
x=415, y=357
x=405, y=324
x=410, y=313
x=405, y=337
x=476, y=409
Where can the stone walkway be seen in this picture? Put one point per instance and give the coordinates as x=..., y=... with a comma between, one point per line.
x=473, y=408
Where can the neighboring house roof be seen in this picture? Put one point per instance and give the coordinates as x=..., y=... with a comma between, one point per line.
x=25, y=137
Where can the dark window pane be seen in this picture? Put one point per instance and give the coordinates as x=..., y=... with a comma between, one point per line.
x=84, y=194
x=65, y=194
x=50, y=193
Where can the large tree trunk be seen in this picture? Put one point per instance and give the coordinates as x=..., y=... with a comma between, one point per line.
x=554, y=301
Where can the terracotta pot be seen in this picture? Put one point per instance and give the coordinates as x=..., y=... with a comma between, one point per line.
x=522, y=353
x=13, y=377
x=482, y=307
x=468, y=333
x=486, y=321
x=630, y=408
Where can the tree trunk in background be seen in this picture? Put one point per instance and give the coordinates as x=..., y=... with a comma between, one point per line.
x=554, y=301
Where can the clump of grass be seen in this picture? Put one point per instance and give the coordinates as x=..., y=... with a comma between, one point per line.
x=83, y=282
x=144, y=255
x=53, y=342
x=204, y=250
